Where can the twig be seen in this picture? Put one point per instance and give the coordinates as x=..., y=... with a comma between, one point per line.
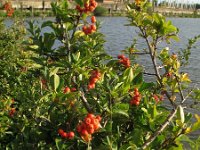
x=187, y=95
x=152, y=51
x=140, y=53
x=147, y=73
x=165, y=124
x=179, y=88
x=85, y=103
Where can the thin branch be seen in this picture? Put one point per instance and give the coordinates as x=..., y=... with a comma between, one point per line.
x=152, y=51
x=151, y=74
x=161, y=129
x=140, y=53
x=85, y=103
x=179, y=88
x=187, y=95
x=170, y=140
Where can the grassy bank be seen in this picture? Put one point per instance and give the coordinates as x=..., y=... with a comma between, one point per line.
x=100, y=11
x=28, y=13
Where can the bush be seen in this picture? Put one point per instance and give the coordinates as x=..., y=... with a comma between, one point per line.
x=100, y=11
x=75, y=96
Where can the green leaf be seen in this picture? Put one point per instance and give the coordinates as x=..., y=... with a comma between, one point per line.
x=138, y=79
x=120, y=113
x=53, y=71
x=46, y=24
x=146, y=86
x=76, y=56
x=80, y=2
x=118, y=85
x=121, y=106
x=180, y=114
x=56, y=81
x=38, y=60
x=60, y=144
x=128, y=75
x=196, y=125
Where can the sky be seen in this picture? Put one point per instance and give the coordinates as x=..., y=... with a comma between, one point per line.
x=182, y=1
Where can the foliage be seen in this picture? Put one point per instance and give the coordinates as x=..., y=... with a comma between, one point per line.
x=100, y=11
x=65, y=92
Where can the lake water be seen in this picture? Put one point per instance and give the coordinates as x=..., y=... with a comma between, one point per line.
x=118, y=37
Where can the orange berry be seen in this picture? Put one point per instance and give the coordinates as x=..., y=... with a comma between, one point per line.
x=93, y=19
x=96, y=126
x=93, y=27
x=90, y=128
x=87, y=120
x=87, y=138
x=91, y=8
x=84, y=28
x=93, y=80
x=98, y=118
x=91, y=116
x=91, y=86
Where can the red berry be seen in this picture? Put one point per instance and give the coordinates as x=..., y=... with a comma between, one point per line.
x=84, y=132
x=156, y=98
x=66, y=90
x=60, y=131
x=121, y=57
x=12, y=112
x=73, y=89
x=86, y=5
x=64, y=135
x=71, y=135
x=79, y=128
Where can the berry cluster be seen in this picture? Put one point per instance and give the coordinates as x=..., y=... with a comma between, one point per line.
x=137, y=2
x=136, y=98
x=12, y=112
x=95, y=76
x=89, y=126
x=88, y=7
x=68, y=90
x=124, y=60
x=157, y=98
x=65, y=135
x=91, y=28
x=9, y=9
x=12, y=109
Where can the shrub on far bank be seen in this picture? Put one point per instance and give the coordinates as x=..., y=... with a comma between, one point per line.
x=100, y=11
